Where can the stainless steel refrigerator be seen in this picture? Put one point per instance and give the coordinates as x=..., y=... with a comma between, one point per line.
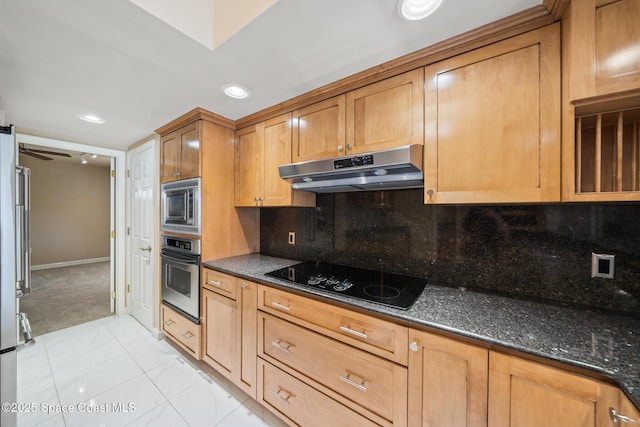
x=15, y=266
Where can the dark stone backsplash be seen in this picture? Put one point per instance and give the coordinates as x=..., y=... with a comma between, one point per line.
x=526, y=251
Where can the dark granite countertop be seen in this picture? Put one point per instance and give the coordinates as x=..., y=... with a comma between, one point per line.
x=605, y=344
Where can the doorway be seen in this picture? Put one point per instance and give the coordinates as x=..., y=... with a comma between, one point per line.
x=94, y=257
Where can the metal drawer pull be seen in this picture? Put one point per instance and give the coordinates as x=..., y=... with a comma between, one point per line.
x=168, y=322
x=616, y=417
x=353, y=383
x=188, y=335
x=281, y=347
x=280, y=397
x=352, y=332
x=280, y=306
x=214, y=282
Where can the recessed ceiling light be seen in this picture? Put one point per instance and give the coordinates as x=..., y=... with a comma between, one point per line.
x=413, y=10
x=236, y=91
x=91, y=118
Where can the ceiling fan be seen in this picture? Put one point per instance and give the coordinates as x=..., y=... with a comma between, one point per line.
x=38, y=154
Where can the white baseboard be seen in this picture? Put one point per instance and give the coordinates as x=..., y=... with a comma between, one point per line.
x=69, y=263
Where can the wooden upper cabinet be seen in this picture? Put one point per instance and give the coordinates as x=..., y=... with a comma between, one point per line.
x=601, y=39
x=249, y=164
x=386, y=114
x=527, y=394
x=319, y=130
x=189, y=142
x=260, y=149
x=180, y=153
x=448, y=382
x=169, y=153
x=492, y=123
x=277, y=151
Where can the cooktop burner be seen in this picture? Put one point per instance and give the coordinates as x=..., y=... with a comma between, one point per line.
x=391, y=289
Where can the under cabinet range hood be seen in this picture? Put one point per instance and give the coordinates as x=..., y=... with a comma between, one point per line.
x=391, y=169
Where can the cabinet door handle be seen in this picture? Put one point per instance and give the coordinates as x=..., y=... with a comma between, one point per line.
x=348, y=380
x=340, y=148
x=616, y=418
x=281, y=347
x=280, y=306
x=168, y=322
x=349, y=146
x=188, y=335
x=352, y=332
x=214, y=283
x=243, y=286
x=414, y=346
x=281, y=397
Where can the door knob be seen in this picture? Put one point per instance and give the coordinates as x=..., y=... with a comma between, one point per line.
x=147, y=249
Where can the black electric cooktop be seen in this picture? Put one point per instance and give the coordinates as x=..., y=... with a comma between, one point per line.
x=391, y=289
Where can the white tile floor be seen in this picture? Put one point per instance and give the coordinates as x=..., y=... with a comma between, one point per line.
x=112, y=363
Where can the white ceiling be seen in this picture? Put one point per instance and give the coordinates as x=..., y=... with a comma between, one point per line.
x=62, y=58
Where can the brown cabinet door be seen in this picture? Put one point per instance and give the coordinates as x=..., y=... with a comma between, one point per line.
x=493, y=123
x=386, y=114
x=277, y=151
x=249, y=165
x=189, y=143
x=447, y=382
x=319, y=130
x=220, y=328
x=247, y=338
x=601, y=41
x=169, y=157
x=526, y=394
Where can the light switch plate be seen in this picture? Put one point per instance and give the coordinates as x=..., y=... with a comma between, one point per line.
x=602, y=265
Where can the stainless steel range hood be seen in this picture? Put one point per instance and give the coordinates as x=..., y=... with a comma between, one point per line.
x=391, y=169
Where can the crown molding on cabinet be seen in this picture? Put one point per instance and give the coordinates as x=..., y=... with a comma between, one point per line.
x=556, y=7
x=193, y=115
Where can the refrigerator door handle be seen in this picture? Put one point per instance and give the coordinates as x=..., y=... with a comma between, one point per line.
x=23, y=232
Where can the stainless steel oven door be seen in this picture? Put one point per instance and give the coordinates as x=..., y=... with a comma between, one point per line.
x=181, y=282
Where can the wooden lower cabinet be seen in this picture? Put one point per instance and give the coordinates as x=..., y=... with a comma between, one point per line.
x=372, y=386
x=182, y=331
x=229, y=333
x=523, y=393
x=220, y=329
x=300, y=404
x=627, y=411
x=447, y=382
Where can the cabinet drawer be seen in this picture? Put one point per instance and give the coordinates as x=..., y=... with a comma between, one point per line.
x=300, y=403
x=182, y=331
x=376, y=384
x=374, y=335
x=221, y=283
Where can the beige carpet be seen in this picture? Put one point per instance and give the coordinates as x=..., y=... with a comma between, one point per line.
x=67, y=296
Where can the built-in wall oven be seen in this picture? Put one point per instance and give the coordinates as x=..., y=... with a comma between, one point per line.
x=181, y=206
x=181, y=275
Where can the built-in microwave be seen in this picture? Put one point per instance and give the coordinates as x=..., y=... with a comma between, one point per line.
x=181, y=211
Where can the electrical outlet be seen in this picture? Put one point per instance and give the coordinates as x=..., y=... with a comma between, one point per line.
x=602, y=265
x=292, y=237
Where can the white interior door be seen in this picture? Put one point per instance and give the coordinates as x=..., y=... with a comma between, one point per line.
x=142, y=235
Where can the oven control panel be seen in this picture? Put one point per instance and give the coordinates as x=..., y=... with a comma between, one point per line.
x=181, y=244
